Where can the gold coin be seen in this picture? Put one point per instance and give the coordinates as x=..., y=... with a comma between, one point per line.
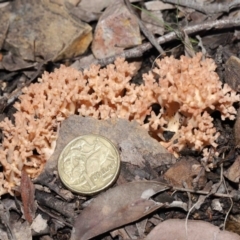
x=88, y=164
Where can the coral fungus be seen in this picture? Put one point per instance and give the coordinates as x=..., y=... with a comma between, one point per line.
x=187, y=90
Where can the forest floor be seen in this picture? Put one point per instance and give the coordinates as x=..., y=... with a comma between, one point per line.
x=167, y=187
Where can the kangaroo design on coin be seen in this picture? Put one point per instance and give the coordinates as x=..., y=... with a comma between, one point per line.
x=89, y=164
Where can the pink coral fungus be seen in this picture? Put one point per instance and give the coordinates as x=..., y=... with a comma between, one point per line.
x=187, y=90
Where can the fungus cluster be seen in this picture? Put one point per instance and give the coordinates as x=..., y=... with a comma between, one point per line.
x=187, y=91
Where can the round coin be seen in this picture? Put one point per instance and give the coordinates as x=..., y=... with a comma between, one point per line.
x=88, y=164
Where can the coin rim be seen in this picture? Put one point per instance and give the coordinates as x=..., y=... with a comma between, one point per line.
x=105, y=186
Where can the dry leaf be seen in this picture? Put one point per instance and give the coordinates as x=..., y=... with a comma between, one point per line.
x=116, y=207
x=33, y=37
x=116, y=30
x=174, y=229
x=186, y=170
x=27, y=195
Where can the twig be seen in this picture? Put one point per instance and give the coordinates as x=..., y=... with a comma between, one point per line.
x=50, y=201
x=219, y=24
x=206, y=8
x=229, y=210
x=186, y=220
x=203, y=192
x=139, y=50
x=189, y=195
x=209, y=193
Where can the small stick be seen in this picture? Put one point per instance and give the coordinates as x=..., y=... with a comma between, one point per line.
x=203, y=192
x=139, y=50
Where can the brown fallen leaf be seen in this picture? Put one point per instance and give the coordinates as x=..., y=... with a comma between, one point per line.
x=186, y=170
x=116, y=207
x=174, y=229
x=116, y=30
x=32, y=37
x=27, y=195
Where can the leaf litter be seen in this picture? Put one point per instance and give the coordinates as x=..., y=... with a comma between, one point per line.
x=131, y=201
x=119, y=206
